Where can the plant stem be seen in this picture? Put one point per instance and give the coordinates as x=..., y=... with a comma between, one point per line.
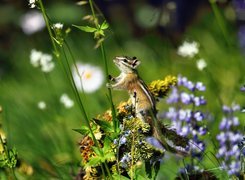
x=81, y=106
x=56, y=52
x=102, y=49
x=115, y=123
x=132, y=156
x=68, y=73
x=220, y=20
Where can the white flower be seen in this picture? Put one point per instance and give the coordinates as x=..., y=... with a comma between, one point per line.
x=32, y=22
x=47, y=65
x=38, y=58
x=188, y=49
x=35, y=57
x=41, y=105
x=32, y=3
x=66, y=101
x=201, y=64
x=89, y=78
x=58, y=26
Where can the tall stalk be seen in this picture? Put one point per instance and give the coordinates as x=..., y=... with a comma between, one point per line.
x=102, y=50
x=68, y=72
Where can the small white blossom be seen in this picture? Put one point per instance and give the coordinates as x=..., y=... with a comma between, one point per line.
x=188, y=49
x=48, y=67
x=41, y=105
x=32, y=3
x=89, y=78
x=66, y=101
x=58, y=26
x=32, y=22
x=35, y=57
x=201, y=64
x=42, y=60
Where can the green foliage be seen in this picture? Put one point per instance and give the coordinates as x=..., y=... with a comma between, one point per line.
x=8, y=158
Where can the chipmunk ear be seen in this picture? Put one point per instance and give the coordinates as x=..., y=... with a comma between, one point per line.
x=135, y=62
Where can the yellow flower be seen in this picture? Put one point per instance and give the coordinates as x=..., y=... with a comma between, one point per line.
x=159, y=88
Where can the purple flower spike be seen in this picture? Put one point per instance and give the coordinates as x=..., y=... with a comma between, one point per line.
x=200, y=86
x=229, y=139
x=185, y=98
x=190, y=85
x=198, y=116
x=242, y=88
x=174, y=96
x=226, y=109
x=154, y=142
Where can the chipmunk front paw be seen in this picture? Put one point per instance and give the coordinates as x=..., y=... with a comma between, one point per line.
x=111, y=78
x=108, y=85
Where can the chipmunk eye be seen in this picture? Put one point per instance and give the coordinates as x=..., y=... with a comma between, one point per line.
x=125, y=60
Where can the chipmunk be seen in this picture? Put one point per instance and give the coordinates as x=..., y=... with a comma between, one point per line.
x=143, y=101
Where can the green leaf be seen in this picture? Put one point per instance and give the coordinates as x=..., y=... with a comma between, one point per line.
x=119, y=176
x=84, y=130
x=107, y=145
x=104, y=25
x=108, y=156
x=105, y=125
x=94, y=161
x=96, y=150
x=57, y=41
x=86, y=28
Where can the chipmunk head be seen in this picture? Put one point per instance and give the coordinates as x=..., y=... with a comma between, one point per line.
x=126, y=64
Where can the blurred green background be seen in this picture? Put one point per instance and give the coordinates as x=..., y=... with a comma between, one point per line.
x=149, y=30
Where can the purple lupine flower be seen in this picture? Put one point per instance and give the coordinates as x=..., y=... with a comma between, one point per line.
x=229, y=139
x=171, y=114
x=122, y=140
x=125, y=159
x=154, y=142
x=174, y=97
x=202, y=131
x=200, y=87
x=185, y=98
x=199, y=101
x=242, y=88
x=241, y=37
x=186, y=120
x=198, y=115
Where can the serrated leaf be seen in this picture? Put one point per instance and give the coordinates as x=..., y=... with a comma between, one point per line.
x=84, y=130
x=108, y=156
x=107, y=145
x=93, y=161
x=105, y=125
x=96, y=150
x=119, y=176
x=86, y=28
x=104, y=25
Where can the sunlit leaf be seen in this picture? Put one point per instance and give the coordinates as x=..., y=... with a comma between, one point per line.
x=80, y=3
x=83, y=130
x=94, y=161
x=108, y=156
x=86, y=28
x=107, y=144
x=104, y=25
x=105, y=125
x=97, y=151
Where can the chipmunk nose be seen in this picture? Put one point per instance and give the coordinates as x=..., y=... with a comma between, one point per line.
x=119, y=57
